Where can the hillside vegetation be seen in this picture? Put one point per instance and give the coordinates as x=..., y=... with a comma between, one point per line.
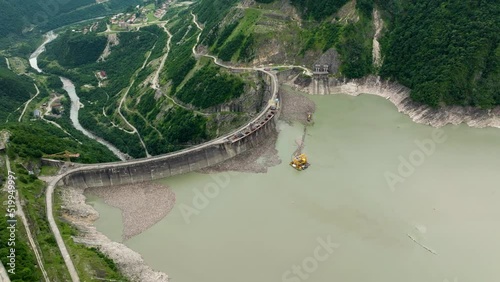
x=208, y=88
x=35, y=139
x=15, y=90
x=120, y=67
x=21, y=18
x=72, y=50
x=318, y=10
x=447, y=52
x=167, y=118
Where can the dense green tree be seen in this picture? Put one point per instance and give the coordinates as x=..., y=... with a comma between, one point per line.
x=231, y=47
x=74, y=49
x=209, y=87
x=447, y=52
x=318, y=10
x=14, y=91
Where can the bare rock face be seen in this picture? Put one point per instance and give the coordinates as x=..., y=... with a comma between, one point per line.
x=331, y=58
x=302, y=80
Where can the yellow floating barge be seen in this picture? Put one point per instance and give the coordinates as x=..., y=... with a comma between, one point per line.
x=299, y=162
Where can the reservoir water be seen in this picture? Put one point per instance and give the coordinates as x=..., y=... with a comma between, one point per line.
x=384, y=200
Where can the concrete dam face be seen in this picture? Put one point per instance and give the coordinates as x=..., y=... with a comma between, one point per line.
x=176, y=163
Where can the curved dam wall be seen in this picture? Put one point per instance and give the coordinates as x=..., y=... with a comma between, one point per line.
x=190, y=160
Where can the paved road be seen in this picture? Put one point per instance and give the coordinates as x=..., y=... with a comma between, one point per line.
x=155, y=84
x=20, y=213
x=57, y=234
x=29, y=101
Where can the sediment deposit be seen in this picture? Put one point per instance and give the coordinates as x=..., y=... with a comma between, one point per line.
x=142, y=205
x=82, y=216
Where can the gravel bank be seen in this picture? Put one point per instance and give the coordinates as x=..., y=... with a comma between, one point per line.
x=142, y=205
x=295, y=107
x=82, y=216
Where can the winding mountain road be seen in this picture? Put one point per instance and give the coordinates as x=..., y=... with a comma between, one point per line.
x=55, y=230
x=28, y=103
x=155, y=84
x=127, y=122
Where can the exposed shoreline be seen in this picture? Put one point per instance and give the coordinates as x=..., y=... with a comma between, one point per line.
x=400, y=96
x=142, y=205
x=82, y=216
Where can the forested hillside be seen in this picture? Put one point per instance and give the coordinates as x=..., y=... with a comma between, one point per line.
x=33, y=140
x=72, y=49
x=14, y=91
x=22, y=17
x=447, y=52
x=318, y=10
x=209, y=88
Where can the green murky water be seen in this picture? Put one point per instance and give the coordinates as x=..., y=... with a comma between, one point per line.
x=438, y=221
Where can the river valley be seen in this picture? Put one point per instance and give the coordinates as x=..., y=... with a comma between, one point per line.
x=69, y=87
x=399, y=201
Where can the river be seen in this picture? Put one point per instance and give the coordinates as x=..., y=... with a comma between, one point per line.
x=49, y=37
x=437, y=222
x=69, y=87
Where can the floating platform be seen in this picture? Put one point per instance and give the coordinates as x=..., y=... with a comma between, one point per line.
x=300, y=162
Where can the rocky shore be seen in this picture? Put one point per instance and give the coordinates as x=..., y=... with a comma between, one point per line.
x=295, y=107
x=400, y=97
x=82, y=216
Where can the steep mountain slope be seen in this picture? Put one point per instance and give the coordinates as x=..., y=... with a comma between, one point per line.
x=14, y=91
x=279, y=32
x=447, y=52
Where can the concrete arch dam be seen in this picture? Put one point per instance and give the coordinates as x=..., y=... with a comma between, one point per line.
x=205, y=155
